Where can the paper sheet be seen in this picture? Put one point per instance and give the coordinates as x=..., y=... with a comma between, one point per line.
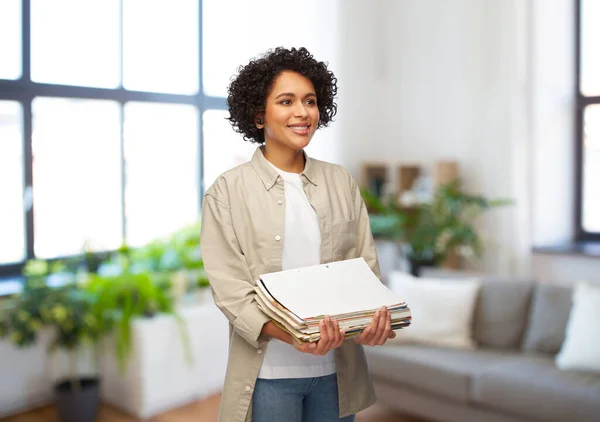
x=329, y=289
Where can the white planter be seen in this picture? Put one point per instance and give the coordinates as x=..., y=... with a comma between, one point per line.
x=27, y=375
x=158, y=377
x=24, y=382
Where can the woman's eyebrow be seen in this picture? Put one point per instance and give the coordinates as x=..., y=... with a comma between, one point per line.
x=291, y=94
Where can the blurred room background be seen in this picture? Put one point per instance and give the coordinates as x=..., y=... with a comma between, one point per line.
x=113, y=125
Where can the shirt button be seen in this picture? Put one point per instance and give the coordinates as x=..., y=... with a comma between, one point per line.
x=279, y=201
x=248, y=388
x=278, y=238
x=259, y=351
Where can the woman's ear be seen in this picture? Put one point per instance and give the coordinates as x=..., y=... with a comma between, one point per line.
x=259, y=121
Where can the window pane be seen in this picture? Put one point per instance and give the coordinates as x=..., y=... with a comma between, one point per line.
x=12, y=221
x=222, y=147
x=257, y=26
x=590, y=51
x=76, y=176
x=75, y=42
x=160, y=45
x=591, y=169
x=161, y=155
x=10, y=39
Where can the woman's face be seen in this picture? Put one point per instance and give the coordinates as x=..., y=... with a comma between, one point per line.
x=291, y=113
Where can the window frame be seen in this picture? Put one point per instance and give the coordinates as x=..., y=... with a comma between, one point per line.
x=24, y=91
x=581, y=102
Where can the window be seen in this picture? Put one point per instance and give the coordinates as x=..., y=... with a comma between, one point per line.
x=162, y=189
x=280, y=23
x=113, y=113
x=588, y=121
x=100, y=132
x=76, y=175
x=223, y=148
x=12, y=221
x=161, y=46
x=75, y=42
x=10, y=29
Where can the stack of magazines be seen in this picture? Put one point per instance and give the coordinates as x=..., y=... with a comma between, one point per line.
x=347, y=291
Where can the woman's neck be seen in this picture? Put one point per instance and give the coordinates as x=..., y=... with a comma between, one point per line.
x=286, y=159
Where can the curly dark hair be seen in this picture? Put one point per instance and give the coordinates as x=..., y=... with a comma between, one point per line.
x=249, y=89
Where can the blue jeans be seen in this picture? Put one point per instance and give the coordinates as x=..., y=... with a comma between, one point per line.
x=297, y=400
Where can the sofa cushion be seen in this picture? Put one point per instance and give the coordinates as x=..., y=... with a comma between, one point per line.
x=581, y=348
x=431, y=301
x=445, y=372
x=548, y=318
x=532, y=387
x=501, y=313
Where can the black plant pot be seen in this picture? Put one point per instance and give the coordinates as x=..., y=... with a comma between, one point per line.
x=416, y=265
x=78, y=405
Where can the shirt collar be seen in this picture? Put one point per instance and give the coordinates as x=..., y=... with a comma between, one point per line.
x=269, y=175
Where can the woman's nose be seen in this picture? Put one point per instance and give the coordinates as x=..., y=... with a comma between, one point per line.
x=301, y=110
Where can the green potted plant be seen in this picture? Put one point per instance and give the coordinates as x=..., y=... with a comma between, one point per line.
x=141, y=287
x=176, y=257
x=96, y=294
x=74, y=320
x=127, y=296
x=185, y=250
x=182, y=254
x=431, y=231
x=387, y=218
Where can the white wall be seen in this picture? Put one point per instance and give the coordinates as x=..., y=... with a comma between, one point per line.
x=566, y=268
x=436, y=80
x=553, y=121
x=358, y=66
x=486, y=82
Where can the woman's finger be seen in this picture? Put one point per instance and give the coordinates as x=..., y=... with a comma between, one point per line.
x=380, y=327
x=374, y=327
x=323, y=339
x=386, y=329
x=339, y=337
x=334, y=334
x=361, y=339
x=368, y=333
x=330, y=335
x=326, y=337
x=342, y=338
x=305, y=347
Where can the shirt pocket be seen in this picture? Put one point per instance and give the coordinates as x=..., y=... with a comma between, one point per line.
x=345, y=240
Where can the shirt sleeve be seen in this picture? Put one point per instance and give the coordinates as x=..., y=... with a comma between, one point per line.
x=225, y=265
x=365, y=242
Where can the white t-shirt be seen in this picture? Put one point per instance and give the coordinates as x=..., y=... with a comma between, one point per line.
x=301, y=248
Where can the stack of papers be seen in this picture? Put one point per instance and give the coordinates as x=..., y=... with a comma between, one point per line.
x=347, y=291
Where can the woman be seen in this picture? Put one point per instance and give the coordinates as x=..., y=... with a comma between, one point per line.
x=284, y=210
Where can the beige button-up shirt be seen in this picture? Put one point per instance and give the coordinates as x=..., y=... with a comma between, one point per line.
x=241, y=237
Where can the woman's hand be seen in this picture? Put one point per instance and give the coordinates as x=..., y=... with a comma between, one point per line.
x=379, y=331
x=331, y=338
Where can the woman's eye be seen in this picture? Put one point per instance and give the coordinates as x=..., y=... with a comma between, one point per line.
x=286, y=102
x=311, y=102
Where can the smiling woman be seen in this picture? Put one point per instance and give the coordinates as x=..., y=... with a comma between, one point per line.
x=290, y=118
x=246, y=95
x=279, y=212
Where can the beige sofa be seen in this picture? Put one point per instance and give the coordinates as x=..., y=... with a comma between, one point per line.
x=510, y=377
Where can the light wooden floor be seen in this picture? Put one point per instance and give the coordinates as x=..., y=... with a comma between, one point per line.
x=202, y=411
